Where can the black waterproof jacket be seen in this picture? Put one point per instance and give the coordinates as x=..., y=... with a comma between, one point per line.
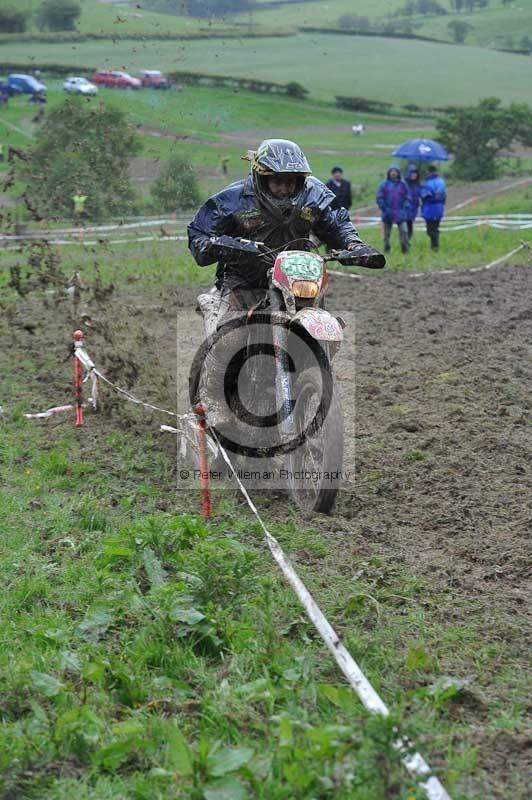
x=342, y=193
x=235, y=211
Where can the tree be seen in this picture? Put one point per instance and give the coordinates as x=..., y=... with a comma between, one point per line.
x=469, y=5
x=353, y=22
x=294, y=89
x=475, y=135
x=176, y=188
x=421, y=7
x=459, y=30
x=58, y=15
x=81, y=147
x=12, y=21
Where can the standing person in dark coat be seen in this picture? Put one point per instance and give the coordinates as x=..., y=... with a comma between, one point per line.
x=414, y=185
x=393, y=201
x=433, y=195
x=341, y=188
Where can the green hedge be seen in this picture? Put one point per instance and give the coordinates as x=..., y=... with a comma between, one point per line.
x=291, y=89
x=364, y=104
x=49, y=67
x=381, y=107
x=373, y=32
x=242, y=32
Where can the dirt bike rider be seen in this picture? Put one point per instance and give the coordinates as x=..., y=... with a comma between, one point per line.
x=279, y=204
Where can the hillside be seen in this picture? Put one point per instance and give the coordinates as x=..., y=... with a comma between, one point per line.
x=362, y=66
x=496, y=25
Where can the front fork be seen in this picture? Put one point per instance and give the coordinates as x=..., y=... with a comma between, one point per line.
x=284, y=367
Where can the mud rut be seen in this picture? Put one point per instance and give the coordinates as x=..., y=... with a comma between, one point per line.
x=435, y=378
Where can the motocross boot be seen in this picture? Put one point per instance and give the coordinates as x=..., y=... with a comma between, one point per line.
x=215, y=377
x=211, y=391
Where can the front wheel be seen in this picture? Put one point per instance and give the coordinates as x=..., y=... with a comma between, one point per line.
x=315, y=467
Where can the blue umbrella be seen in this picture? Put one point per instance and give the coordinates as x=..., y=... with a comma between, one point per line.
x=422, y=150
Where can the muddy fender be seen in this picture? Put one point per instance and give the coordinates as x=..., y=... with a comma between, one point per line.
x=319, y=324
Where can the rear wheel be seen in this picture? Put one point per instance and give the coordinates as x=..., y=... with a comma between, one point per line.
x=315, y=467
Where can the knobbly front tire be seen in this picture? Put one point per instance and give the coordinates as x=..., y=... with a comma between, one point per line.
x=318, y=410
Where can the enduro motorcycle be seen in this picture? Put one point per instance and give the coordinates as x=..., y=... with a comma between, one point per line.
x=304, y=428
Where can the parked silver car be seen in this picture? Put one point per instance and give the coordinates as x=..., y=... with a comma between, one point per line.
x=77, y=85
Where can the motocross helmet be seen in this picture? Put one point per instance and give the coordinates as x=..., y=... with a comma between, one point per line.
x=274, y=157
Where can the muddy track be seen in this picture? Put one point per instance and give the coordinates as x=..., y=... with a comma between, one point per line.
x=436, y=376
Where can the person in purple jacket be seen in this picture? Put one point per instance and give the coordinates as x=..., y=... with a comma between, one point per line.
x=413, y=184
x=394, y=203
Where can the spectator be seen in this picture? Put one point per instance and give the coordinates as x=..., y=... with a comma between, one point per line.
x=79, y=201
x=433, y=195
x=40, y=101
x=393, y=201
x=341, y=188
x=413, y=184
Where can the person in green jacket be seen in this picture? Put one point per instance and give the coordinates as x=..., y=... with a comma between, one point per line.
x=79, y=201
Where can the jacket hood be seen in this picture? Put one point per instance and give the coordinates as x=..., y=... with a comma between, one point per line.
x=409, y=170
x=394, y=166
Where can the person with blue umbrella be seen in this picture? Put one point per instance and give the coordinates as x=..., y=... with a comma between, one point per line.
x=433, y=195
x=433, y=192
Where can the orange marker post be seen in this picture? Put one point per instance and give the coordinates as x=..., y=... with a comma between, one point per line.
x=78, y=379
x=203, y=461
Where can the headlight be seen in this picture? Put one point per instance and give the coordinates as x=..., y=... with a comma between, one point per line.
x=307, y=289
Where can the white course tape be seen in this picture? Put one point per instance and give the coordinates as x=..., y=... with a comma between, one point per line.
x=43, y=234
x=50, y=412
x=500, y=260
x=458, y=271
x=414, y=763
x=133, y=399
x=94, y=242
x=74, y=236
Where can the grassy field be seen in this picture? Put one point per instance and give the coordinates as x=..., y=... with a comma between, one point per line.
x=120, y=19
x=490, y=26
x=207, y=124
x=362, y=66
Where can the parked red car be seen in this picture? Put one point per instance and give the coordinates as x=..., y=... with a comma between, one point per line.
x=154, y=79
x=113, y=78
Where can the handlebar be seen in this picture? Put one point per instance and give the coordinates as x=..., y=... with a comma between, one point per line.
x=236, y=248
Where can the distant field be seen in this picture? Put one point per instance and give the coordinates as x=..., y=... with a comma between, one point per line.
x=490, y=26
x=488, y=23
x=119, y=18
x=384, y=69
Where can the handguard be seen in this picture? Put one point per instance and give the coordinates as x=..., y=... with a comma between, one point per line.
x=362, y=256
x=232, y=250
